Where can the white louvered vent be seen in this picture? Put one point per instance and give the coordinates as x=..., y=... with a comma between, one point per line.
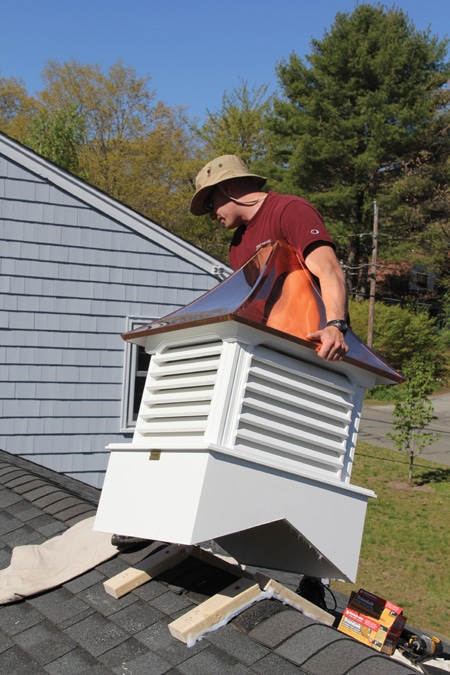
x=299, y=416
x=177, y=397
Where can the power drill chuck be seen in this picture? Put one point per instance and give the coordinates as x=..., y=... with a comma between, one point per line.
x=422, y=647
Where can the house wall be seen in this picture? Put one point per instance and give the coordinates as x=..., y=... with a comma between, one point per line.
x=70, y=275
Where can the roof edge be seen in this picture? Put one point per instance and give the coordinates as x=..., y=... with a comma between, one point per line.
x=84, y=191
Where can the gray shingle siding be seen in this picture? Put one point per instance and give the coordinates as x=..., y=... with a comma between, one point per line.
x=70, y=275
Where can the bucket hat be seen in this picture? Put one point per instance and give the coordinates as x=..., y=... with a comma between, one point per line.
x=218, y=170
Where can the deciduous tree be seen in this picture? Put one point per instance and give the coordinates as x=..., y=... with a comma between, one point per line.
x=17, y=107
x=412, y=415
x=400, y=332
x=58, y=136
x=137, y=149
x=238, y=128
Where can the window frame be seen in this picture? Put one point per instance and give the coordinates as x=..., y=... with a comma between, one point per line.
x=130, y=375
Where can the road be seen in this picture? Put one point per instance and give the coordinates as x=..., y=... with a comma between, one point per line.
x=376, y=421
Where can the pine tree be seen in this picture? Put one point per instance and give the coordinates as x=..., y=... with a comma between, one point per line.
x=365, y=110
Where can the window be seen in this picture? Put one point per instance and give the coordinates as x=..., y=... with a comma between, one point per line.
x=420, y=279
x=135, y=373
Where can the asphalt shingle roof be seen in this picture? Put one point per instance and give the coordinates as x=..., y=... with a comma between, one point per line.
x=79, y=628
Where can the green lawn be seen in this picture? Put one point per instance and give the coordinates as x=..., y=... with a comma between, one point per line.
x=405, y=553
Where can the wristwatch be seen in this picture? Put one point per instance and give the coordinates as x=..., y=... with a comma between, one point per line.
x=340, y=325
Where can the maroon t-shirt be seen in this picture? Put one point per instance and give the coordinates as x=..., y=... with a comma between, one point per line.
x=280, y=218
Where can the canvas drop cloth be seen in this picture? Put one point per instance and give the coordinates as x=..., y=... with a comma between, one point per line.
x=36, y=568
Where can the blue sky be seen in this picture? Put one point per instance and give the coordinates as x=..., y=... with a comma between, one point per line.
x=193, y=50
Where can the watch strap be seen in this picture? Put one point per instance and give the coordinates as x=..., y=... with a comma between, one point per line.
x=340, y=325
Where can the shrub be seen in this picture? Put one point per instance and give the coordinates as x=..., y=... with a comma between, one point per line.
x=400, y=333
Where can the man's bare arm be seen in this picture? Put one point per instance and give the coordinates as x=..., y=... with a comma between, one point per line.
x=322, y=262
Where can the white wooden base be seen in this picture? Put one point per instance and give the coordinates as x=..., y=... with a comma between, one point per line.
x=267, y=518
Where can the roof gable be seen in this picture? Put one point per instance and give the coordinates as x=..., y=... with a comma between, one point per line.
x=96, y=199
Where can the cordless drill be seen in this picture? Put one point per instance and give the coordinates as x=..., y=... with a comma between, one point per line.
x=419, y=648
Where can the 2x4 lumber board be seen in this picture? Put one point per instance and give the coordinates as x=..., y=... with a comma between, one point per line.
x=215, y=610
x=223, y=606
x=147, y=569
x=291, y=598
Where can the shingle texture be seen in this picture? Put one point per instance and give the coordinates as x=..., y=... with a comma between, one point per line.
x=79, y=628
x=76, y=267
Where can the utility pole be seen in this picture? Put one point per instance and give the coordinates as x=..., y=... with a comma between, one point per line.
x=373, y=275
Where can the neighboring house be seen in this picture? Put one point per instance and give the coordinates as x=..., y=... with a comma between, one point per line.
x=78, y=269
x=399, y=281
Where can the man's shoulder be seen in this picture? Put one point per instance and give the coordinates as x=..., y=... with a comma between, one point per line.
x=294, y=203
x=286, y=198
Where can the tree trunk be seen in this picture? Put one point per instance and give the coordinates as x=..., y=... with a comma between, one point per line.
x=411, y=465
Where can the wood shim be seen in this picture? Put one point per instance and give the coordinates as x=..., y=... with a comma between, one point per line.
x=221, y=607
x=147, y=569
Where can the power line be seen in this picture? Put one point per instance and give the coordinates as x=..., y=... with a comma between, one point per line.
x=373, y=276
x=395, y=461
x=385, y=235
x=393, y=265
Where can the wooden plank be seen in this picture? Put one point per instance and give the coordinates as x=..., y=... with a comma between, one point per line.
x=216, y=609
x=222, y=606
x=146, y=569
x=297, y=601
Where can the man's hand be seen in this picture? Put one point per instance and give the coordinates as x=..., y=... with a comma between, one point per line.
x=333, y=346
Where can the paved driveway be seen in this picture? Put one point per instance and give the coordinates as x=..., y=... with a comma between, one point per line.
x=377, y=421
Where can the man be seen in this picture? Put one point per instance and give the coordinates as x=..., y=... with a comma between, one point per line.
x=232, y=195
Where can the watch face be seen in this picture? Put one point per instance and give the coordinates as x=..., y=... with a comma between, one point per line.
x=340, y=324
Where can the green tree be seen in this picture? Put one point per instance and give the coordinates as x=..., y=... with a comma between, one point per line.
x=351, y=118
x=419, y=205
x=412, y=414
x=400, y=332
x=58, y=136
x=238, y=128
x=136, y=149
x=115, y=104
x=16, y=107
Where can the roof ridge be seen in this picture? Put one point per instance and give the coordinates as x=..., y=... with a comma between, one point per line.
x=45, y=489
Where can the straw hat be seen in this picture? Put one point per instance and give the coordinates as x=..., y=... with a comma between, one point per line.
x=218, y=170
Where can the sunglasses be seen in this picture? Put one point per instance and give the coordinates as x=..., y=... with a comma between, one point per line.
x=208, y=204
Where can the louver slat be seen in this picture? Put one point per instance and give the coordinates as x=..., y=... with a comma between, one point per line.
x=310, y=419
x=297, y=415
x=308, y=458
x=178, y=392
x=292, y=398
